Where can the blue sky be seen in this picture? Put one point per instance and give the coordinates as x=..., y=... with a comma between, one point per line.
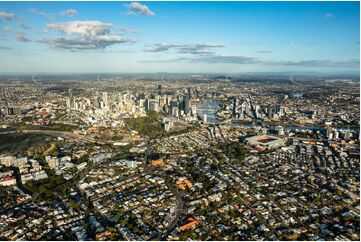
x=203, y=37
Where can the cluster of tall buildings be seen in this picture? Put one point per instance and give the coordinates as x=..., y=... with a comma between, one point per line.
x=179, y=106
x=175, y=105
x=82, y=103
x=246, y=108
x=101, y=102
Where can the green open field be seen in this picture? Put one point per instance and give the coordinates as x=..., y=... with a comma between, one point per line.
x=20, y=143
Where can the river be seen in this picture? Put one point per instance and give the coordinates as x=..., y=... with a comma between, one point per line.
x=209, y=107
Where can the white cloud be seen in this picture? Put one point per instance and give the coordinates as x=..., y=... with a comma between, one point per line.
x=83, y=35
x=239, y=59
x=69, y=13
x=200, y=53
x=138, y=8
x=21, y=37
x=319, y=63
x=24, y=25
x=45, y=14
x=83, y=28
x=128, y=30
x=328, y=16
x=8, y=28
x=185, y=48
x=264, y=51
x=229, y=59
x=100, y=42
x=7, y=16
x=5, y=47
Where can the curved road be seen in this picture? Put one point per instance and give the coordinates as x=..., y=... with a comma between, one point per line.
x=180, y=205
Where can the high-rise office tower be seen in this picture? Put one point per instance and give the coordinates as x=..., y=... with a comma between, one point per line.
x=96, y=102
x=270, y=112
x=189, y=93
x=71, y=93
x=70, y=99
x=234, y=110
x=153, y=105
x=105, y=100
x=186, y=104
x=173, y=104
x=160, y=90
x=194, y=111
x=67, y=100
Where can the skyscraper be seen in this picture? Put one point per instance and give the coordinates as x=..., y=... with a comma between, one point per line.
x=71, y=93
x=105, y=100
x=186, y=104
x=270, y=112
x=189, y=93
x=234, y=110
x=70, y=100
x=160, y=90
x=153, y=105
x=96, y=102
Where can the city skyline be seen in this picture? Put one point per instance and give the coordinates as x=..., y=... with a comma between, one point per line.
x=206, y=37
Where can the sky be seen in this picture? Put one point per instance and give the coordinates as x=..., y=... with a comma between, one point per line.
x=183, y=37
